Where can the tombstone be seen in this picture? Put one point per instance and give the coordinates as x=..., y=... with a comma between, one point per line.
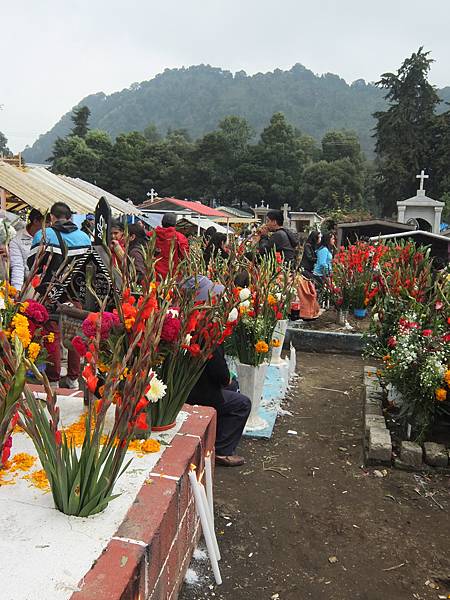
x=420, y=210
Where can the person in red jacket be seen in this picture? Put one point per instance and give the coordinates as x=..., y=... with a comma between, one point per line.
x=167, y=237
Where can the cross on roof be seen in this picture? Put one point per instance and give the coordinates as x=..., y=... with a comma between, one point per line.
x=422, y=176
x=152, y=194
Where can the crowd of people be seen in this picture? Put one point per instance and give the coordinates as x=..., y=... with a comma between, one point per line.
x=49, y=245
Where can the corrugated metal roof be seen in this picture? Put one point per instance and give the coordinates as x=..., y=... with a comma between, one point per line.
x=31, y=186
x=116, y=203
x=195, y=207
x=41, y=189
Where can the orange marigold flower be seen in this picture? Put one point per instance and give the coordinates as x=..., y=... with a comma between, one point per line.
x=441, y=394
x=261, y=347
x=447, y=377
x=275, y=343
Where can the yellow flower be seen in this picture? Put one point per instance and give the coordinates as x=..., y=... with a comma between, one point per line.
x=441, y=394
x=51, y=337
x=271, y=300
x=20, y=324
x=447, y=377
x=150, y=446
x=33, y=351
x=261, y=347
x=275, y=343
x=24, y=307
x=12, y=291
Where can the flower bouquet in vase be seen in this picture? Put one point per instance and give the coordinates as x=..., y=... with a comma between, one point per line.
x=280, y=302
x=190, y=333
x=252, y=338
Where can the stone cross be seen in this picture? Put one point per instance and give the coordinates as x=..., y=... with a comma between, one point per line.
x=152, y=194
x=262, y=204
x=286, y=208
x=422, y=176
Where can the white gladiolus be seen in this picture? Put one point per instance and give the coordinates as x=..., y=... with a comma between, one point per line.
x=233, y=315
x=244, y=294
x=187, y=340
x=376, y=317
x=278, y=296
x=174, y=312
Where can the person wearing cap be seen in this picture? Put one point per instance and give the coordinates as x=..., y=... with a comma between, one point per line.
x=63, y=244
x=171, y=246
x=20, y=246
x=88, y=226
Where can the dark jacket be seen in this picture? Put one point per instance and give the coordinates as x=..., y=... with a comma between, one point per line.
x=280, y=241
x=208, y=389
x=136, y=251
x=76, y=246
x=309, y=258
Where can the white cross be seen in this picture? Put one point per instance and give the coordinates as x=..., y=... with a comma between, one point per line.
x=152, y=194
x=422, y=176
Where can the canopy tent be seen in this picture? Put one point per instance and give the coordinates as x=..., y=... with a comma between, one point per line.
x=203, y=224
x=38, y=188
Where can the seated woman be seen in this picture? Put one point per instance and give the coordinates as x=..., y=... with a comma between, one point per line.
x=233, y=408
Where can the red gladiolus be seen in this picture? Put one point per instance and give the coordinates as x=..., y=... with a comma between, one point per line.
x=5, y=454
x=427, y=332
x=92, y=383
x=14, y=419
x=35, y=281
x=141, y=421
x=448, y=320
x=392, y=342
x=194, y=349
x=446, y=338
x=58, y=437
x=140, y=406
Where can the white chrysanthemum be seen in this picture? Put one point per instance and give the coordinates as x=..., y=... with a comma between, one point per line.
x=245, y=304
x=233, y=315
x=157, y=389
x=244, y=294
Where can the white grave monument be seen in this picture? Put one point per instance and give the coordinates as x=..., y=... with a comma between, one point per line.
x=420, y=210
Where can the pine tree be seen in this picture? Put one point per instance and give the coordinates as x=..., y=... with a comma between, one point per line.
x=80, y=119
x=404, y=132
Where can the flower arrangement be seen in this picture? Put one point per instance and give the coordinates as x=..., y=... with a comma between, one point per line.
x=413, y=341
x=259, y=309
x=20, y=338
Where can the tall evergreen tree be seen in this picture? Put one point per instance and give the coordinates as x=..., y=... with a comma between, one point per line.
x=4, y=145
x=404, y=132
x=80, y=119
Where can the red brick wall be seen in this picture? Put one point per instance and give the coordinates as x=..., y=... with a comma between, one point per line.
x=150, y=553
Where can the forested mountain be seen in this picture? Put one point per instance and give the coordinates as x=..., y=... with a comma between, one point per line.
x=198, y=97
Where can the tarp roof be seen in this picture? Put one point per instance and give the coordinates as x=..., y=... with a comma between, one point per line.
x=39, y=188
x=205, y=223
x=195, y=207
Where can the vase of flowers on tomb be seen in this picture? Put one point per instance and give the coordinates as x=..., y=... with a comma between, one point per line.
x=190, y=333
x=120, y=353
x=252, y=340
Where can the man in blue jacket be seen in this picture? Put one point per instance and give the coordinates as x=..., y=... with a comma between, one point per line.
x=58, y=247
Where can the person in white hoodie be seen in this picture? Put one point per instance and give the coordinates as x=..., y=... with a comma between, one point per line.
x=20, y=246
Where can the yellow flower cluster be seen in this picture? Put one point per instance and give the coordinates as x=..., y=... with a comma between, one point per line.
x=51, y=337
x=21, y=329
x=271, y=300
x=33, y=351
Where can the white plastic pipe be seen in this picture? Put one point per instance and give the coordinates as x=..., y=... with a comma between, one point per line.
x=203, y=511
x=210, y=523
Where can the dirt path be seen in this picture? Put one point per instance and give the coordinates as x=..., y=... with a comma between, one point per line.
x=323, y=527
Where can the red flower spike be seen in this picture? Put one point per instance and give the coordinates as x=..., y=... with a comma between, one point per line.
x=141, y=421
x=58, y=437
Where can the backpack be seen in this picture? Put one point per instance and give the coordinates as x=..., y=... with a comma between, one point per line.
x=292, y=237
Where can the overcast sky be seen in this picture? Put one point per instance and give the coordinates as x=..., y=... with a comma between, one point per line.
x=53, y=53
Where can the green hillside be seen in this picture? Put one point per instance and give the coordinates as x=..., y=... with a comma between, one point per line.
x=198, y=97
